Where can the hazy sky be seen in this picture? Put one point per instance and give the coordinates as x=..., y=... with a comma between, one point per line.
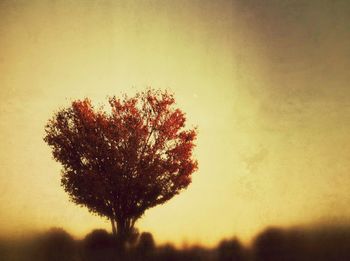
x=266, y=82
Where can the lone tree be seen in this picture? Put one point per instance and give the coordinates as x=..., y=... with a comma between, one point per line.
x=120, y=163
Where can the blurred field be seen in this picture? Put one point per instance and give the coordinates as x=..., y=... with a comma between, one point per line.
x=308, y=243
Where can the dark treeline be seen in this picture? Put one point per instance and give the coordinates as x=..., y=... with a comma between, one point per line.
x=322, y=243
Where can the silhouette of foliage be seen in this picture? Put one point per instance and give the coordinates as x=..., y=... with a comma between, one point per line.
x=121, y=163
x=303, y=244
x=289, y=245
x=230, y=250
x=146, y=242
x=56, y=245
x=97, y=239
x=99, y=245
x=167, y=252
x=328, y=243
x=145, y=247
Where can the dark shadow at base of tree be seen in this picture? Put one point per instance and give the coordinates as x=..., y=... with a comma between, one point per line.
x=322, y=243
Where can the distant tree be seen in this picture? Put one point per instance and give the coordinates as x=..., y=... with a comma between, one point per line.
x=97, y=239
x=271, y=245
x=145, y=248
x=146, y=243
x=56, y=244
x=98, y=245
x=230, y=250
x=120, y=163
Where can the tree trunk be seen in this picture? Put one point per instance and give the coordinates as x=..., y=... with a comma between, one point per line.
x=114, y=230
x=124, y=233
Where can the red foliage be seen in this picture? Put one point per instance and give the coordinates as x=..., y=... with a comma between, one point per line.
x=121, y=163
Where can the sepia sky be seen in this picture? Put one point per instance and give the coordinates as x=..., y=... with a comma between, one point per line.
x=266, y=82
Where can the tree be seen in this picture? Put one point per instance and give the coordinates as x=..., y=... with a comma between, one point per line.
x=56, y=244
x=145, y=247
x=120, y=163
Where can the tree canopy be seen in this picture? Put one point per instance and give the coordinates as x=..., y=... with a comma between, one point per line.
x=122, y=162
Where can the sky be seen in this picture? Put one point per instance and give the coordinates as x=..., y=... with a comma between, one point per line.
x=266, y=82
